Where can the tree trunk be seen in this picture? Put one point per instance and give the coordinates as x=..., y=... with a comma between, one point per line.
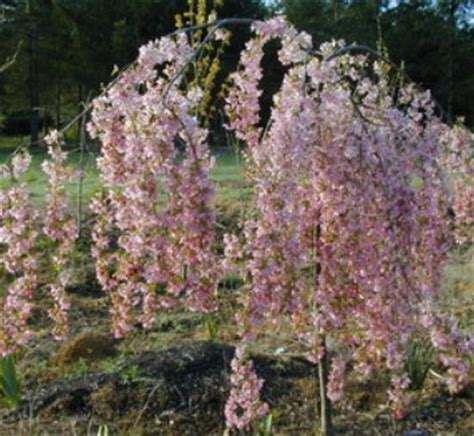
x=325, y=404
x=58, y=103
x=80, y=105
x=325, y=410
x=33, y=82
x=82, y=145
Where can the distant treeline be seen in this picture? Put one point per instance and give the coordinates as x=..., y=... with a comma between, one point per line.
x=69, y=48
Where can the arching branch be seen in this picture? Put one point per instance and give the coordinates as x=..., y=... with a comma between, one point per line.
x=215, y=24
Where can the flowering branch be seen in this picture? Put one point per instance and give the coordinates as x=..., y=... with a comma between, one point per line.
x=18, y=256
x=140, y=157
x=60, y=228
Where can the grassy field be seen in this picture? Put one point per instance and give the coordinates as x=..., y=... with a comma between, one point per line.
x=227, y=173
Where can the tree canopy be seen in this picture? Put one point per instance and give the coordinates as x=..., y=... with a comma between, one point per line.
x=69, y=49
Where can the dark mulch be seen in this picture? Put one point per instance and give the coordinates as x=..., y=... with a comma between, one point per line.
x=182, y=389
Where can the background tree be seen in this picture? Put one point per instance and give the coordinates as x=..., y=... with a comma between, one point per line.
x=434, y=40
x=72, y=48
x=24, y=21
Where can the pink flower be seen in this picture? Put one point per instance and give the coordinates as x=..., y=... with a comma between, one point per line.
x=341, y=236
x=61, y=229
x=18, y=223
x=244, y=406
x=53, y=137
x=20, y=163
x=336, y=382
x=138, y=122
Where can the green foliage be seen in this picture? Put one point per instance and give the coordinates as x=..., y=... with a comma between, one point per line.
x=9, y=382
x=212, y=327
x=112, y=364
x=81, y=367
x=72, y=47
x=103, y=430
x=266, y=425
x=130, y=374
x=419, y=362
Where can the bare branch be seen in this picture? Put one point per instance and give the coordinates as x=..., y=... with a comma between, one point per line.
x=362, y=48
x=12, y=59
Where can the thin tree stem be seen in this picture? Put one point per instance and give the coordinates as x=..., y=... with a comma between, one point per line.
x=325, y=410
x=325, y=404
x=80, y=185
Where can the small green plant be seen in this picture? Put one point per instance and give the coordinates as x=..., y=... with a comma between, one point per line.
x=80, y=368
x=212, y=327
x=418, y=363
x=103, y=430
x=9, y=382
x=130, y=374
x=112, y=364
x=266, y=425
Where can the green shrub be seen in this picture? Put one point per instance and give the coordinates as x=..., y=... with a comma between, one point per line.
x=9, y=382
x=419, y=362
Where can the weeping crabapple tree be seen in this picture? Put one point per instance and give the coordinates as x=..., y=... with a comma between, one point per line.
x=350, y=230
x=351, y=194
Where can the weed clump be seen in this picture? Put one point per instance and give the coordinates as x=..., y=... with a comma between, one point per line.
x=87, y=345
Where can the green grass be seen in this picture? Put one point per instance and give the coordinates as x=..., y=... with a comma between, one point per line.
x=459, y=283
x=228, y=177
x=227, y=173
x=9, y=143
x=37, y=182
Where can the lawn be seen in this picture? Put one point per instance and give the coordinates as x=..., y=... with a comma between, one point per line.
x=227, y=173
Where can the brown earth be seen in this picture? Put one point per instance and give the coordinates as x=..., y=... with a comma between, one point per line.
x=172, y=380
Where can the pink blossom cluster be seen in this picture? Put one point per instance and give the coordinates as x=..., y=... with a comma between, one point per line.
x=18, y=257
x=336, y=379
x=452, y=347
x=20, y=226
x=20, y=164
x=232, y=252
x=157, y=195
x=351, y=232
x=463, y=206
x=101, y=236
x=243, y=108
x=60, y=228
x=458, y=158
x=398, y=394
x=243, y=406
